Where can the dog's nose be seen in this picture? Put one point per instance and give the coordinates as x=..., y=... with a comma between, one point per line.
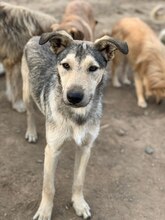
x=75, y=97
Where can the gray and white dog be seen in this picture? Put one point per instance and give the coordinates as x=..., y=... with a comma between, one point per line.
x=66, y=83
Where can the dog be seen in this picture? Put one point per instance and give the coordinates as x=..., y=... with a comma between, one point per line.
x=17, y=26
x=65, y=78
x=146, y=58
x=158, y=16
x=158, y=13
x=78, y=21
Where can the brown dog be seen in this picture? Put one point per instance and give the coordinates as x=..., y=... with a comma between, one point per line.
x=146, y=57
x=17, y=26
x=78, y=21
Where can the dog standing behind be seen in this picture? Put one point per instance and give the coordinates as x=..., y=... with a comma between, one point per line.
x=158, y=15
x=78, y=20
x=146, y=57
x=17, y=26
x=66, y=84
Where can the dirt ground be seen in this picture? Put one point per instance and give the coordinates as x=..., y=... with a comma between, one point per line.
x=123, y=182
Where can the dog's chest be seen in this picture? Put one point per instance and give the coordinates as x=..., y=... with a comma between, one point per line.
x=79, y=134
x=76, y=132
x=70, y=129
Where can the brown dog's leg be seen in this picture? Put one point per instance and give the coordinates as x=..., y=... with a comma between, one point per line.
x=147, y=90
x=124, y=70
x=140, y=91
x=115, y=76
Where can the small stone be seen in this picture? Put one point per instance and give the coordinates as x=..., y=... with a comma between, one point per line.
x=149, y=150
x=66, y=207
x=130, y=199
x=121, y=132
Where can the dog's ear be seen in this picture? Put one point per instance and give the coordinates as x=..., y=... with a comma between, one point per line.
x=76, y=34
x=59, y=40
x=55, y=26
x=108, y=45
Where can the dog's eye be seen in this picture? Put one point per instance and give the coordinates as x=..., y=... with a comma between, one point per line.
x=66, y=66
x=93, y=68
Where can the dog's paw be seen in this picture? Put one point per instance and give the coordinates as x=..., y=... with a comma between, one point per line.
x=82, y=208
x=19, y=106
x=142, y=104
x=44, y=212
x=127, y=82
x=116, y=84
x=31, y=137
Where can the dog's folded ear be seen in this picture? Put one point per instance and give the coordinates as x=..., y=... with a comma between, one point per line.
x=59, y=40
x=108, y=45
x=76, y=34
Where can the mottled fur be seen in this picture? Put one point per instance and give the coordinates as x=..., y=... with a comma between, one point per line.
x=17, y=26
x=66, y=83
x=78, y=20
x=146, y=57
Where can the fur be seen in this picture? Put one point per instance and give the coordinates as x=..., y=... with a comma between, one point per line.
x=78, y=20
x=17, y=26
x=146, y=58
x=66, y=83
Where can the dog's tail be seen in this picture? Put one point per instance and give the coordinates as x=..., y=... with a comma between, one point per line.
x=158, y=14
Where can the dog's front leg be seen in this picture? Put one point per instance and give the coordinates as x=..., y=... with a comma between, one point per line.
x=81, y=160
x=140, y=91
x=52, y=152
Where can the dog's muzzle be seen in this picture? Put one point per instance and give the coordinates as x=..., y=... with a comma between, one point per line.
x=75, y=97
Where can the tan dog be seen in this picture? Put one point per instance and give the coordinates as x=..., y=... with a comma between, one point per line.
x=17, y=26
x=78, y=21
x=146, y=57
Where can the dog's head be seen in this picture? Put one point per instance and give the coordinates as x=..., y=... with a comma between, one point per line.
x=81, y=65
x=74, y=31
